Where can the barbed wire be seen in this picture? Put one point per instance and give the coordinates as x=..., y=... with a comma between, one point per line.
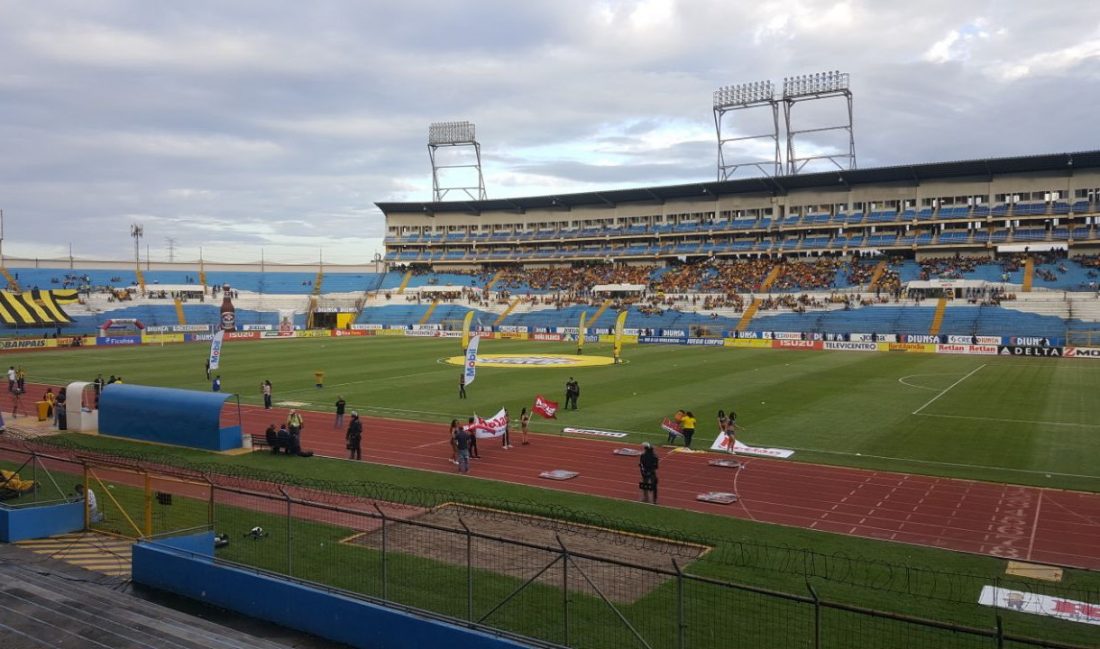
x=836, y=568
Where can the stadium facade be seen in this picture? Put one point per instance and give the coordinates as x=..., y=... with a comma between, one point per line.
x=972, y=207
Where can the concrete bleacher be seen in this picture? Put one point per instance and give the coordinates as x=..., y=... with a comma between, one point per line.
x=400, y=313
x=43, y=278
x=49, y=603
x=300, y=282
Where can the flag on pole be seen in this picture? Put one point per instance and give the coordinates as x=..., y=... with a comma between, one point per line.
x=469, y=371
x=216, y=349
x=466, y=329
x=671, y=426
x=492, y=427
x=580, y=332
x=620, y=322
x=545, y=407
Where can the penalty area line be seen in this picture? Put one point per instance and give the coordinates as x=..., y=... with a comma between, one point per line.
x=948, y=389
x=1010, y=421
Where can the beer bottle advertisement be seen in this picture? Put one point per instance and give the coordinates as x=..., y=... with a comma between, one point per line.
x=229, y=313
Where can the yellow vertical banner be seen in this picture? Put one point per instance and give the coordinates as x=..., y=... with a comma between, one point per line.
x=620, y=323
x=580, y=332
x=466, y=329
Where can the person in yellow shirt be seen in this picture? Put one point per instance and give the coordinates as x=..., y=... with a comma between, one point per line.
x=319, y=379
x=687, y=427
x=50, y=398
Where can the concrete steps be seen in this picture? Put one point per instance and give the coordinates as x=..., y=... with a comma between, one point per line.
x=47, y=603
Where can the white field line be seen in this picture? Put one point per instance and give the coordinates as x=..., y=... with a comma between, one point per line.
x=914, y=385
x=938, y=463
x=1011, y=421
x=1035, y=525
x=948, y=389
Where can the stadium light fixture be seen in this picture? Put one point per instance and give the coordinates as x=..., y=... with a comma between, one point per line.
x=744, y=94
x=815, y=84
x=451, y=133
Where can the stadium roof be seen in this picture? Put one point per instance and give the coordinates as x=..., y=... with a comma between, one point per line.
x=776, y=186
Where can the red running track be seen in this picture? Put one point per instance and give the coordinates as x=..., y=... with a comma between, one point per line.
x=1027, y=523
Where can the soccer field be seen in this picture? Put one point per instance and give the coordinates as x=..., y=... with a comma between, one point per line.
x=1028, y=421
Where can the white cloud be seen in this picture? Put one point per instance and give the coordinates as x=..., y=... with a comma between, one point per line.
x=272, y=127
x=194, y=49
x=958, y=44
x=1047, y=63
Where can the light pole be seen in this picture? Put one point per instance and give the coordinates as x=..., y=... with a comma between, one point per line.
x=137, y=231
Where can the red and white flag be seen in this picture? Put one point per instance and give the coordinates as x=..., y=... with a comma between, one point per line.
x=671, y=426
x=492, y=427
x=545, y=407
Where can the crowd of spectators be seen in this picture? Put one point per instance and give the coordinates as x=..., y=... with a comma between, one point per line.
x=949, y=267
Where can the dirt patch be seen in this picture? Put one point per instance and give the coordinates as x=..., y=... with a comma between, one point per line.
x=437, y=534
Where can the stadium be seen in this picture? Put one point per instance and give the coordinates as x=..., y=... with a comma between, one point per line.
x=907, y=351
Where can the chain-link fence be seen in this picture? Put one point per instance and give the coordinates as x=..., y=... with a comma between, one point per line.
x=558, y=579
x=450, y=562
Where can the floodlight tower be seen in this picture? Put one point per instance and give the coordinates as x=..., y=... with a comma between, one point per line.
x=137, y=231
x=740, y=97
x=455, y=134
x=809, y=87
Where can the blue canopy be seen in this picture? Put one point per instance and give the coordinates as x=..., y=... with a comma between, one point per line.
x=167, y=415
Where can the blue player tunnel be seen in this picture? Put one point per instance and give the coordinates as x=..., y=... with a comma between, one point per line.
x=170, y=416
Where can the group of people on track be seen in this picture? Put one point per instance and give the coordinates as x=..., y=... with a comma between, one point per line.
x=463, y=438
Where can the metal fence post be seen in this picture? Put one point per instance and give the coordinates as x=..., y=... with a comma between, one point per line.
x=817, y=615
x=681, y=623
x=1000, y=633
x=469, y=571
x=564, y=589
x=385, y=575
x=289, y=532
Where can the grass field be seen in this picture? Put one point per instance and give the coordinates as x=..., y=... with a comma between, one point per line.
x=1012, y=420
x=1019, y=420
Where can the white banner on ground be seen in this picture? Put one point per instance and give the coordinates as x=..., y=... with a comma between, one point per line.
x=722, y=442
x=592, y=431
x=1036, y=604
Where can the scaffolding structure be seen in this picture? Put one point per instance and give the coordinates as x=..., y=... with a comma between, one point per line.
x=818, y=87
x=737, y=99
x=730, y=101
x=459, y=138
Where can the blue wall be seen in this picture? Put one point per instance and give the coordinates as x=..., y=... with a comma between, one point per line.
x=19, y=523
x=328, y=615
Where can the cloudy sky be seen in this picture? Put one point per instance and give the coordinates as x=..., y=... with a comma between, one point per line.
x=249, y=128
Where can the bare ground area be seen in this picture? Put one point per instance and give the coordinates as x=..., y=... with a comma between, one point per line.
x=443, y=538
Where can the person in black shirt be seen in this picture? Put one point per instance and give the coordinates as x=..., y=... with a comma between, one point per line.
x=340, y=405
x=647, y=463
x=462, y=448
x=355, y=437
